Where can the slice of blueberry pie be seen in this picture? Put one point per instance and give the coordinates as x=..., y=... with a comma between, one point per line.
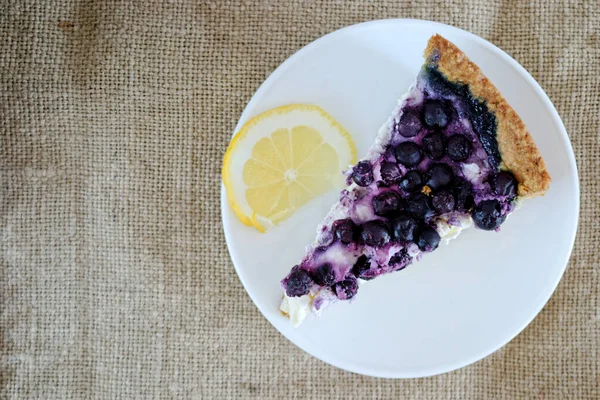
x=453, y=154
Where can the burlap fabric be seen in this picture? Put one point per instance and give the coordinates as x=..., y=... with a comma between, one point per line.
x=115, y=277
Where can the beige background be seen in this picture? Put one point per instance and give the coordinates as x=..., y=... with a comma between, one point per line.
x=115, y=279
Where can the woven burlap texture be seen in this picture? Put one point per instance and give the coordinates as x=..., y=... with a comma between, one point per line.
x=115, y=278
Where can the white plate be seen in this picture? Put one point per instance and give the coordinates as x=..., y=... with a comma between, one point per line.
x=465, y=300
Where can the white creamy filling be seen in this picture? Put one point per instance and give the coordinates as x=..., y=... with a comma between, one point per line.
x=296, y=308
x=363, y=212
x=449, y=232
x=335, y=255
x=471, y=172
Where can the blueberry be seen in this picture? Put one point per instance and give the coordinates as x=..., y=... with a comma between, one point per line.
x=463, y=193
x=443, y=202
x=400, y=260
x=435, y=114
x=487, y=215
x=409, y=125
x=439, y=176
x=411, y=181
x=346, y=289
x=298, y=283
x=362, y=173
x=408, y=153
x=459, y=147
x=324, y=275
x=375, y=233
x=344, y=230
x=504, y=184
x=404, y=228
x=490, y=145
x=420, y=207
x=321, y=249
x=429, y=239
x=434, y=145
x=386, y=203
x=361, y=266
x=390, y=172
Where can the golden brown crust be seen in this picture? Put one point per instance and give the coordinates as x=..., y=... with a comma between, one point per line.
x=519, y=152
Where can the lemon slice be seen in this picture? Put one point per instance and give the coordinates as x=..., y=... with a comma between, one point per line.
x=283, y=158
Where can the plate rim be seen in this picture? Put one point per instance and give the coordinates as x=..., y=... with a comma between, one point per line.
x=556, y=119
